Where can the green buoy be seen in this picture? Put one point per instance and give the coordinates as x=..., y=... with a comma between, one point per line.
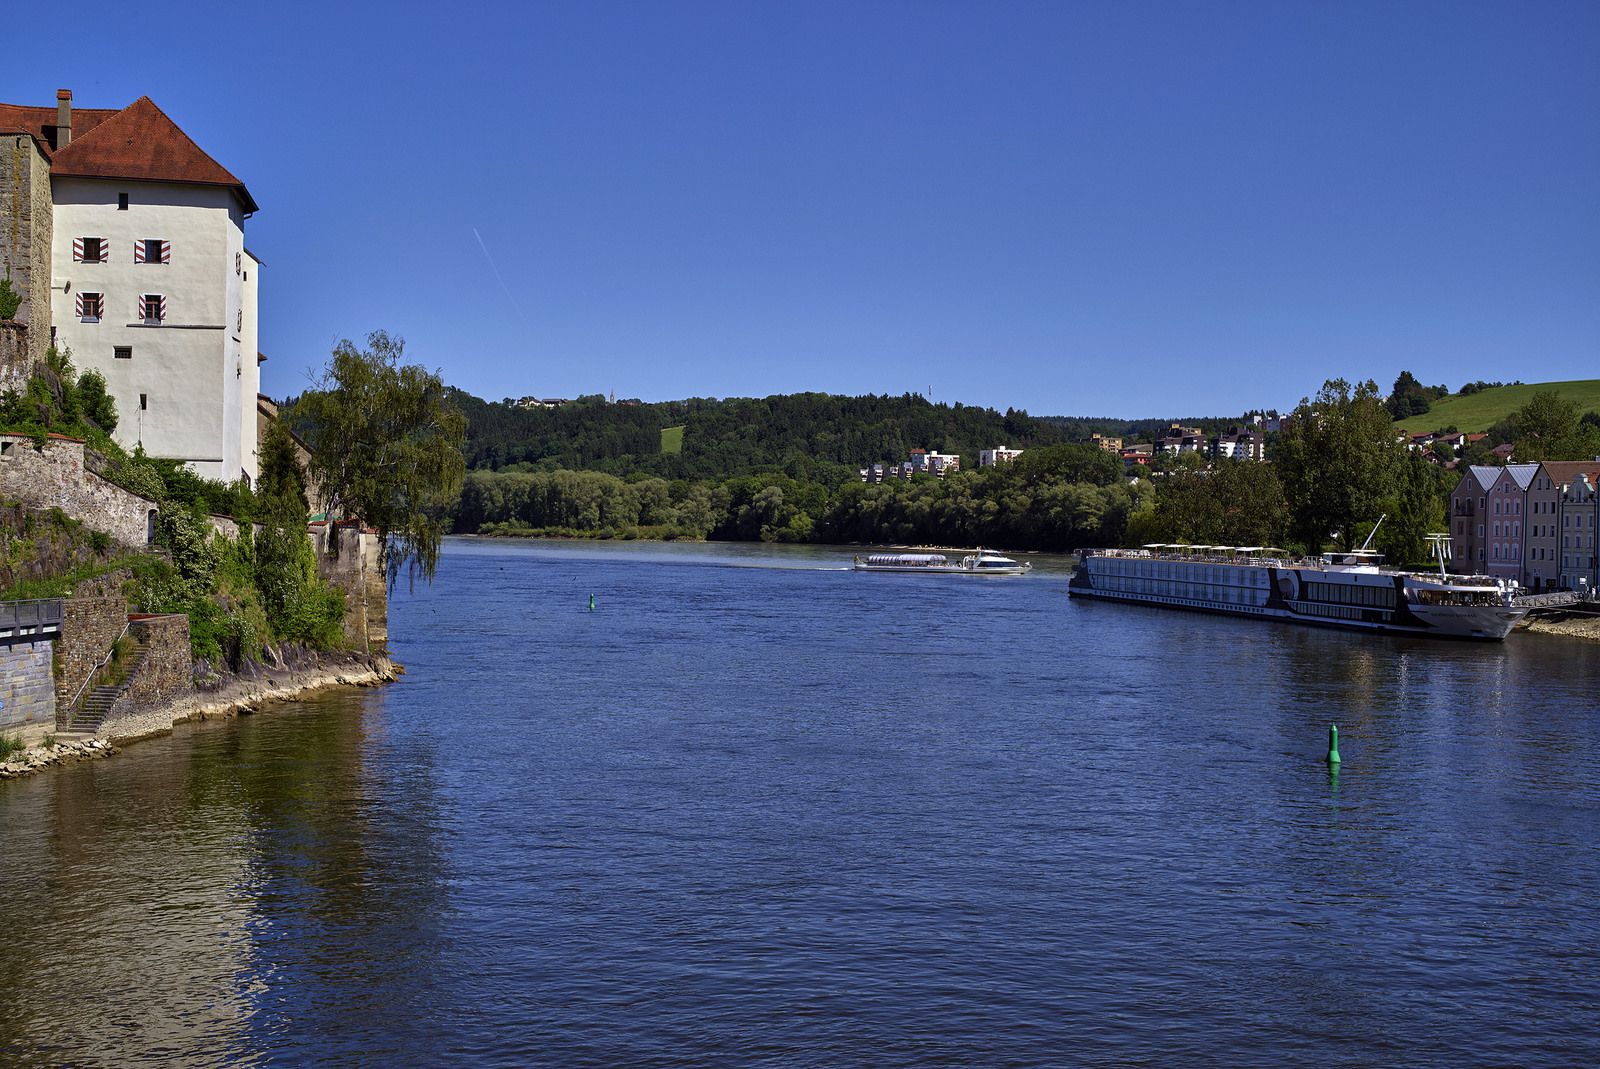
x=591, y=603
x=1333, y=744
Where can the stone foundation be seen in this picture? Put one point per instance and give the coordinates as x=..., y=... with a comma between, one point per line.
x=27, y=684
x=348, y=556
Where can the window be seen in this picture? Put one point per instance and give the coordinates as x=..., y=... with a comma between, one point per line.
x=122, y=202
x=238, y=324
x=90, y=305
x=238, y=263
x=144, y=402
x=152, y=309
x=122, y=352
x=152, y=251
x=89, y=250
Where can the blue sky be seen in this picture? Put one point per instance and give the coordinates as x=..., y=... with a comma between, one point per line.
x=1140, y=209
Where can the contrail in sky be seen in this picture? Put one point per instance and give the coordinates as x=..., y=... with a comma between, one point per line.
x=514, y=302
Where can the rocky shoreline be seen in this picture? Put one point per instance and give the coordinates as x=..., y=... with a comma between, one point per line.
x=1570, y=625
x=233, y=696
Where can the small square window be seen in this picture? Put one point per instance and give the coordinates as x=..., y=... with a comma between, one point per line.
x=122, y=202
x=94, y=250
x=122, y=352
x=144, y=402
x=153, y=309
x=90, y=305
x=152, y=250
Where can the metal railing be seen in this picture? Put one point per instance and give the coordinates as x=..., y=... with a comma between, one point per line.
x=112, y=652
x=40, y=613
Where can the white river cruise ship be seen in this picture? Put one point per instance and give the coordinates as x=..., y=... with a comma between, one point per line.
x=1349, y=590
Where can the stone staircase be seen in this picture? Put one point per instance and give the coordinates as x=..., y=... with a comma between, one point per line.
x=90, y=712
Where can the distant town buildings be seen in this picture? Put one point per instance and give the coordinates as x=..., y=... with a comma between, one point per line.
x=1109, y=444
x=989, y=458
x=126, y=242
x=540, y=402
x=921, y=462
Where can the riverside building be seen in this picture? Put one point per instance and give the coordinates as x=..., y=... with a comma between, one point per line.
x=149, y=280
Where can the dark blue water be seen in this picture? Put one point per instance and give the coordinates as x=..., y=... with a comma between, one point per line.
x=756, y=809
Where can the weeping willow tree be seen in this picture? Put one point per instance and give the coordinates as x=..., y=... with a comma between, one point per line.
x=385, y=446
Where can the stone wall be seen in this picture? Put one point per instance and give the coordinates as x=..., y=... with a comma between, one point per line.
x=26, y=233
x=16, y=363
x=167, y=671
x=89, y=626
x=348, y=556
x=27, y=685
x=56, y=477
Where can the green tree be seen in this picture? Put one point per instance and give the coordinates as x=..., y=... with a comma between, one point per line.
x=385, y=446
x=1415, y=509
x=10, y=299
x=1338, y=460
x=1236, y=503
x=1408, y=398
x=1548, y=427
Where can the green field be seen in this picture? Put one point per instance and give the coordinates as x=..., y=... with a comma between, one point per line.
x=1480, y=411
x=672, y=440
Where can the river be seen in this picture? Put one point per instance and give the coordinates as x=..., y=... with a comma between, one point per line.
x=753, y=808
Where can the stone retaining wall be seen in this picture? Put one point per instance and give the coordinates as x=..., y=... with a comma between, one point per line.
x=166, y=673
x=88, y=628
x=56, y=476
x=348, y=557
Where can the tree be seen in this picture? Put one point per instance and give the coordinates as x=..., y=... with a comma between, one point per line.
x=1236, y=503
x=1408, y=398
x=1416, y=509
x=386, y=447
x=1338, y=460
x=1548, y=428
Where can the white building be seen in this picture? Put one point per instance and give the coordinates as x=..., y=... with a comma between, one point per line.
x=151, y=284
x=988, y=458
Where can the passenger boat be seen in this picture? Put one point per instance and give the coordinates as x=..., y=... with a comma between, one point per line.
x=983, y=562
x=1351, y=590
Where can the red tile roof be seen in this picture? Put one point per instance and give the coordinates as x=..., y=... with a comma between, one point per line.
x=138, y=142
x=41, y=123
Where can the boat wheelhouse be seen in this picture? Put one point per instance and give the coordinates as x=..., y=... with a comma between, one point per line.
x=1345, y=589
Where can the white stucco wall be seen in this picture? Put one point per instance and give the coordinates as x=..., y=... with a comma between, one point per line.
x=250, y=368
x=189, y=369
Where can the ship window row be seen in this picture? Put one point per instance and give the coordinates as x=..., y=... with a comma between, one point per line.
x=1381, y=597
x=1195, y=573
x=1168, y=588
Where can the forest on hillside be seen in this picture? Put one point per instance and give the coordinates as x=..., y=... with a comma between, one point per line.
x=814, y=436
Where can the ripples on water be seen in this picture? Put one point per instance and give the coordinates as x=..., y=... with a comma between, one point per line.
x=756, y=809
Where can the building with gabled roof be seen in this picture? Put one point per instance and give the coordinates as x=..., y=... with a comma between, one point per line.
x=1560, y=523
x=1505, y=520
x=149, y=281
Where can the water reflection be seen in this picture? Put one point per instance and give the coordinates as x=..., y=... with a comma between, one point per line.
x=192, y=899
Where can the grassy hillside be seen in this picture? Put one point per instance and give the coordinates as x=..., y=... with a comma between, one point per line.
x=1480, y=411
x=672, y=440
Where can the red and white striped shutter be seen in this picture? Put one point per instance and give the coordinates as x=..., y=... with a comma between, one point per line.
x=166, y=252
x=77, y=250
x=80, y=305
x=161, y=309
x=138, y=252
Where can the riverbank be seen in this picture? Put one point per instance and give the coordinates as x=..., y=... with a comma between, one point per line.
x=232, y=696
x=1569, y=625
